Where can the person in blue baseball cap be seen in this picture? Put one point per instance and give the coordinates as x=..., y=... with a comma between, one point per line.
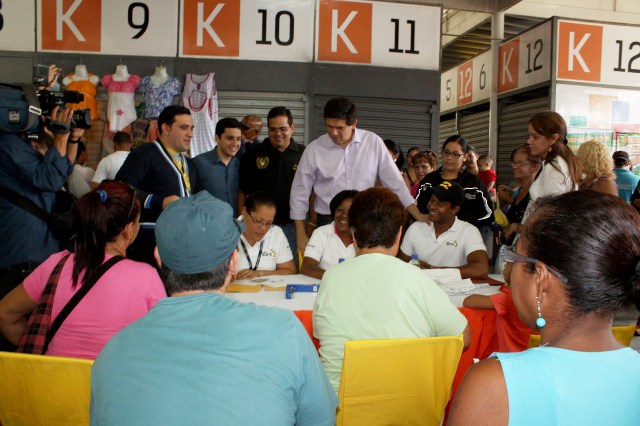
x=210, y=351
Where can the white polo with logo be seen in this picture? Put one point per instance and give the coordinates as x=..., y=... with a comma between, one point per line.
x=450, y=249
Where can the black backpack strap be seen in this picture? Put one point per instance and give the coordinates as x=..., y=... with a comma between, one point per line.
x=64, y=313
x=24, y=203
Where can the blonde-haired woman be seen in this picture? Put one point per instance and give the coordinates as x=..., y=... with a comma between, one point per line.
x=597, y=168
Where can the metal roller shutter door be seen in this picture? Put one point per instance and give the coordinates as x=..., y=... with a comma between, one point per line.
x=513, y=132
x=447, y=128
x=475, y=129
x=238, y=104
x=407, y=122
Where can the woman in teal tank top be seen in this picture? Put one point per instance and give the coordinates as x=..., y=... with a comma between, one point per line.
x=577, y=262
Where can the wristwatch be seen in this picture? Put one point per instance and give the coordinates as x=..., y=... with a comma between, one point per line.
x=73, y=141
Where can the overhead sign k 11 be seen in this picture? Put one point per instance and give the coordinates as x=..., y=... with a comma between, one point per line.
x=377, y=33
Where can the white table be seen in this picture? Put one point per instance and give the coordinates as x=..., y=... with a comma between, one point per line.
x=305, y=301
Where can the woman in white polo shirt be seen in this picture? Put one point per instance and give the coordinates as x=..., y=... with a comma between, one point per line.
x=263, y=248
x=331, y=242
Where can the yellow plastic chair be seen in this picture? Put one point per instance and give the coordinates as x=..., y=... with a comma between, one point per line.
x=397, y=381
x=622, y=333
x=44, y=390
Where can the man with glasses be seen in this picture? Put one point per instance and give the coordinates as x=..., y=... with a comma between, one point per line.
x=344, y=158
x=271, y=166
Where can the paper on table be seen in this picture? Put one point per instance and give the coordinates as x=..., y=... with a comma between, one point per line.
x=461, y=286
x=445, y=275
x=270, y=283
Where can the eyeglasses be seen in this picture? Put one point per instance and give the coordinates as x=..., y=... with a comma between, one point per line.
x=281, y=129
x=455, y=155
x=509, y=255
x=261, y=224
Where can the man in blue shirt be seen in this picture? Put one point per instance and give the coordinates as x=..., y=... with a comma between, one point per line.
x=626, y=181
x=199, y=357
x=219, y=169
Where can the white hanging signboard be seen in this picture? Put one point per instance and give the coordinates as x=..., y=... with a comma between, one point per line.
x=598, y=53
x=124, y=27
x=378, y=33
x=248, y=29
x=467, y=83
x=17, y=23
x=525, y=60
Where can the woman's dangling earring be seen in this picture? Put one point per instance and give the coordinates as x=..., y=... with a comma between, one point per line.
x=540, y=322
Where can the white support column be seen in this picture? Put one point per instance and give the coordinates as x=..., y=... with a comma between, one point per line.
x=497, y=34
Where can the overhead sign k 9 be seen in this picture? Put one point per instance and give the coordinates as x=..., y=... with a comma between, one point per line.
x=123, y=27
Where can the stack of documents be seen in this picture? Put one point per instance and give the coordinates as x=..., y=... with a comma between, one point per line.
x=450, y=281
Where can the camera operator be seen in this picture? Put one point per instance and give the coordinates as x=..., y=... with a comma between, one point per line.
x=26, y=239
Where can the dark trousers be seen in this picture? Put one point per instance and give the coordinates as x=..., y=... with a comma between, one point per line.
x=10, y=278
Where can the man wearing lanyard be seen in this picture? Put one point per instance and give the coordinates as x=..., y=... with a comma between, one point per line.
x=161, y=173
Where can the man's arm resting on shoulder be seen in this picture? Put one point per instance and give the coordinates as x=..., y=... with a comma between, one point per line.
x=477, y=265
x=412, y=209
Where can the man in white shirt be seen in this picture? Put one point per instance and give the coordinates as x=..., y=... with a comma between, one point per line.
x=81, y=176
x=343, y=158
x=109, y=165
x=446, y=242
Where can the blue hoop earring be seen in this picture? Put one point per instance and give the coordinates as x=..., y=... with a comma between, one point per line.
x=540, y=322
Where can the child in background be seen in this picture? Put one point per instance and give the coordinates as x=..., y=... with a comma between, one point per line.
x=513, y=334
x=487, y=175
x=423, y=164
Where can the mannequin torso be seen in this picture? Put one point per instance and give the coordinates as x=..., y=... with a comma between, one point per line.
x=121, y=74
x=160, y=75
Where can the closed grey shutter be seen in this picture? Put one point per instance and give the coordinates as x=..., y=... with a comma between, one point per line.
x=513, y=132
x=475, y=129
x=447, y=128
x=238, y=104
x=407, y=122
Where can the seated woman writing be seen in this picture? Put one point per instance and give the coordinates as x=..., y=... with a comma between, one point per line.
x=106, y=222
x=263, y=248
x=575, y=264
x=332, y=242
